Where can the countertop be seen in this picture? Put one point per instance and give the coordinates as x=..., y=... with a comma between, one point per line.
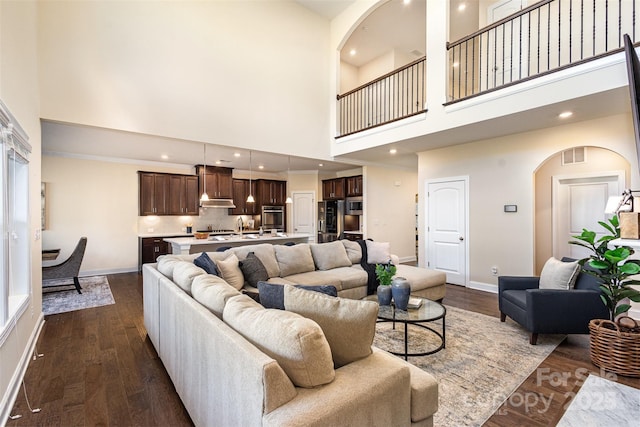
x=183, y=245
x=183, y=234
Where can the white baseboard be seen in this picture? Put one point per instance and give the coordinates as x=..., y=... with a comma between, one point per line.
x=88, y=273
x=16, y=381
x=486, y=287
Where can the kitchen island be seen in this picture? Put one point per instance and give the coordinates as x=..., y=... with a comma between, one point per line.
x=191, y=245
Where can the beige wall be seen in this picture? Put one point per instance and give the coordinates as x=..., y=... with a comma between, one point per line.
x=98, y=200
x=19, y=92
x=501, y=171
x=597, y=159
x=194, y=70
x=390, y=209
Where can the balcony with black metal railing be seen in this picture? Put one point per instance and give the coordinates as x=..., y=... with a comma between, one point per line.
x=394, y=96
x=546, y=37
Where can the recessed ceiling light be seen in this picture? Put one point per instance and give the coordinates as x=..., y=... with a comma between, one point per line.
x=352, y=52
x=218, y=162
x=393, y=151
x=164, y=157
x=406, y=1
x=261, y=167
x=320, y=164
x=236, y=154
x=565, y=115
x=462, y=7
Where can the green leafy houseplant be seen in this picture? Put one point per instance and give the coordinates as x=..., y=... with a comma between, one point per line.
x=385, y=273
x=611, y=266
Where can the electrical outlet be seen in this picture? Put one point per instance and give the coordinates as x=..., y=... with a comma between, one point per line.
x=494, y=270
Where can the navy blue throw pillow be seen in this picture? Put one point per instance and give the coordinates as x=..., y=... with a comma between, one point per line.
x=272, y=294
x=207, y=264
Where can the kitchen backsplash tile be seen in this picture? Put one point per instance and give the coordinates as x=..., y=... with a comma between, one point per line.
x=218, y=218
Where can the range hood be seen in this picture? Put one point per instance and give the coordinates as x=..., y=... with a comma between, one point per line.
x=217, y=203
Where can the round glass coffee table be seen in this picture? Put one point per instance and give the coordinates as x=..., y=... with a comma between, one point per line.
x=428, y=312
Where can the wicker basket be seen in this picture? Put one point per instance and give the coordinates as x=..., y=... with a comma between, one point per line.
x=614, y=349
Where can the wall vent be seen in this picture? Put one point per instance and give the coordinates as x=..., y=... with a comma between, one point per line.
x=574, y=155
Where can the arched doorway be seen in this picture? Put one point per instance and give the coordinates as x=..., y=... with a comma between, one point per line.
x=571, y=190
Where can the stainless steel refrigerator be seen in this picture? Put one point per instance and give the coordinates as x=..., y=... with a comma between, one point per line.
x=330, y=220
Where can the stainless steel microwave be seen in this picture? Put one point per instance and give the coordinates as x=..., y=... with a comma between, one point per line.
x=353, y=206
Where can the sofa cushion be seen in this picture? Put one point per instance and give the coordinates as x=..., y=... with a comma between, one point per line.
x=559, y=275
x=166, y=264
x=212, y=292
x=317, y=277
x=265, y=253
x=253, y=270
x=230, y=271
x=272, y=294
x=207, y=264
x=297, y=344
x=354, y=251
x=294, y=259
x=421, y=278
x=378, y=252
x=183, y=274
x=330, y=255
x=349, y=325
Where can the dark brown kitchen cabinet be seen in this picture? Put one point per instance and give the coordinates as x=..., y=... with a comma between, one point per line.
x=240, y=193
x=183, y=195
x=153, y=193
x=354, y=186
x=151, y=248
x=219, y=181
x=168, y=194
x=333, y=189
x=271, y=192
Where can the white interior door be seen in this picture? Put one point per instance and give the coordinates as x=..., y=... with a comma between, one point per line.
x=447, y=228
x=579, y=202
x=304, y=213
x=505, y=43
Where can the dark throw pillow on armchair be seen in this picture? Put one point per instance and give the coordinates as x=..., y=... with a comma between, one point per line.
x=272, y=294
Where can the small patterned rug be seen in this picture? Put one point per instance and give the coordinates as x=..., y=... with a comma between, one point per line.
x=483, y=363
x=95, y=293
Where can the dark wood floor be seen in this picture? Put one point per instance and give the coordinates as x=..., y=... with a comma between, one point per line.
x=99, y=368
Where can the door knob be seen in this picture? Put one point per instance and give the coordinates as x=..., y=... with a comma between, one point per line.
x=461, y=238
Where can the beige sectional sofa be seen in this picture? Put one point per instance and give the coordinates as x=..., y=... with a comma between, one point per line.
x=234, y=362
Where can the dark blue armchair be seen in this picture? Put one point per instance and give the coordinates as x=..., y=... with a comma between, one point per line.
x=550, y=311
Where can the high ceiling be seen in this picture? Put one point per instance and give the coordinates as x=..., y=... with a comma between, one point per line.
x=70, y=140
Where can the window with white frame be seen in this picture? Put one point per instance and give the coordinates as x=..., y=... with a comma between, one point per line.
x=15, y=257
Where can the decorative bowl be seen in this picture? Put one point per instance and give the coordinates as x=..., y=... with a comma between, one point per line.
x=200, y=235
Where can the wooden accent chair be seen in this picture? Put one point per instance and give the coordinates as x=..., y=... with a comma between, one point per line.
x=68, y=269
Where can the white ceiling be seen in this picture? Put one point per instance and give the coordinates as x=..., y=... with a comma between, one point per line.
x=71, y=140
x=394, y=26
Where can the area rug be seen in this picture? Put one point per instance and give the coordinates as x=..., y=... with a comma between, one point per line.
x=483, y=363
x=601, y=402
x=95, y=293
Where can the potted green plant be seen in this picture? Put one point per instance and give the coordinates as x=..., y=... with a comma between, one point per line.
x=615, y=342
x=385, y=273
x=611, y=266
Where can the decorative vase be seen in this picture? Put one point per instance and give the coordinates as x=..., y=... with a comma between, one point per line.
x=400, y=289
x=384, y=294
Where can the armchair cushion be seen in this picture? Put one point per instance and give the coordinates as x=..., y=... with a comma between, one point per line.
x=557, y=274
